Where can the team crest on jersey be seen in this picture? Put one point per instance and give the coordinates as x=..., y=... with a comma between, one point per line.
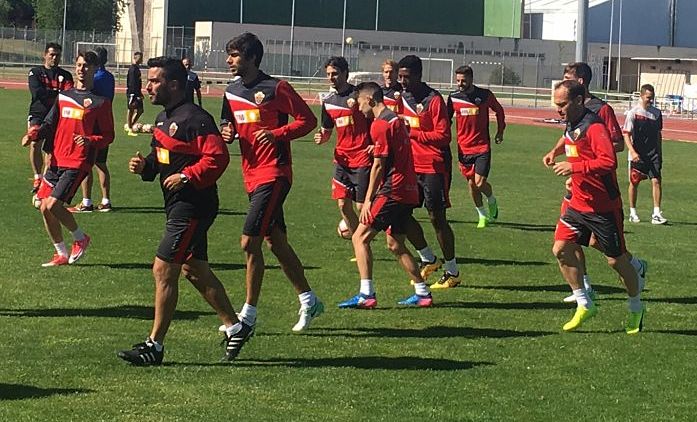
x=87, y=102
x=576, y=134
x=259, y=97
x=60, y=78
x=477, y=101
x=173, y=129
x=350, y=102
x=419, y=108
x=397, y=94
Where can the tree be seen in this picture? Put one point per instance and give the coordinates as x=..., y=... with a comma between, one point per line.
x=85, y=15
x=509, y=76
x=15, y=12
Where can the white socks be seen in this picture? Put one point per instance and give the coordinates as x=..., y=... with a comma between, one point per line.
x=421, y=289
x=656, y=210
x=61, y=249
x=587, y=282
x=307, y=299
x=106, y=201
x=582, y=298
x=367, y=287
x=151, y=342
x=87, y=202
x=632, y=211
x=426, y=255
x=248, y=314
x=482, y=211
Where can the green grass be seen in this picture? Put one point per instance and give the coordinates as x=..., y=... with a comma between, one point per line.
x=490, y=350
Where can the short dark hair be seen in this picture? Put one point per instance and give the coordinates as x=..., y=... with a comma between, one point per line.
x=464, y=70
x=413, y=63
x=53, y=45
x=138, y=53
x=248, y=45
x=372, y=89
x=337, y=62
x=91, y=58
x=647, y=88
x=172, y=69
x=580, y=70
x=573, y=88
x=103, y=55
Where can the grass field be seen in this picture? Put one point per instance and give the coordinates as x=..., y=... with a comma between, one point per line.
x=491, y=349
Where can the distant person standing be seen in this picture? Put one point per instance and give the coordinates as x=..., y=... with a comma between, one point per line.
x=45, y=82
x=134, y=87
x=193, y=83
x=470, y=106
x=391, y=88
x=642, y=134
x=104, y=87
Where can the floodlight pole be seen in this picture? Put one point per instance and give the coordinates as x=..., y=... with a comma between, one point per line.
x=582, y=31
x=292, y=35
x=609, y=48
x=65, y=15
x=619, y=53
x=343, y=31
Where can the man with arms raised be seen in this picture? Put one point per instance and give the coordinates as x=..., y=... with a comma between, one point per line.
x=351, y=156
x=189, y=155
x=392, y=194
x=595, y=207
x=256, y=108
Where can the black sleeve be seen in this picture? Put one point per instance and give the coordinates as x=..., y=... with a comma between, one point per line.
x=131, y=82
x=151, y=169
x=225, y=113
x=37, y=89
x=48, y=128
x=451, y=110
x=197, y=84
x=326, y=119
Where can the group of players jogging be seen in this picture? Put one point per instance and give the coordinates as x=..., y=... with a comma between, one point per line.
x=392, y=155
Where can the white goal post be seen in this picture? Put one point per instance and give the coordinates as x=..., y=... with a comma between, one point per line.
x=439, y=71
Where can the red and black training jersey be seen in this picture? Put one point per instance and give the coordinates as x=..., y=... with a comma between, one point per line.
x=392, y=97
x=589, y=150
x=266, y=103
x=340, y=110
x=186, y=140
x=44, y=85
x=645, y=126
x=607, y=115
x=78, y=112
x=429, y=131
x=471, y=112
x=391, y=138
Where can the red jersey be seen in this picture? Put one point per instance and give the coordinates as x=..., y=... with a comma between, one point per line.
x=340, y=110
x=78, y=112
x=391, y=139
x=392, y=97
x=429, y=131
x=591, y=154
x=266, y=103
x=471, y=113
x=607, y=115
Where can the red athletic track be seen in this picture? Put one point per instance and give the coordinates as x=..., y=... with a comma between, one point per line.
x=673, y=128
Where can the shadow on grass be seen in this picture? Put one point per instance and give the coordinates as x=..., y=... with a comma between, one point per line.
x=122, y=311
x=21, y=391
x=215, y=266
x=358, y=362
x=670, y=300
x=428, y=332
x=496, y=262
x=679, y=332
x=504, y=305
x=528, y=227
x=550, y=288
x=161, y=210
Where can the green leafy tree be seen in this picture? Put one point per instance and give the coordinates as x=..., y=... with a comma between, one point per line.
x=15, y=12
x=85, y=15
x=509, y=77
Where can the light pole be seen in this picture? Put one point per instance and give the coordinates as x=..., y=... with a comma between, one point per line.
x=292, y=35
x=581, y=31
x=343, y=31
x=65, y=14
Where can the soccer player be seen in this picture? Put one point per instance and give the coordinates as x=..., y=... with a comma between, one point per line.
x=189, y=155
x=391, y=89
x=582, y=73
x=134, y=88
x=193, y=83
x=256, y=108
x=642, y=134
x=470, y=105
x=595, y=207
x=104, y=87
x=45, y=82
x=79, y=123
x=425, y=113
x=351, y=154
x=392, y=194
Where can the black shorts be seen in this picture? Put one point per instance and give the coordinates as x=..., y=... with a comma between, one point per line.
x=60, y=183
x=608, y=229
x=648, y=166
x=390, y=214
x=434, y=190
x=135, y=102
x=266, y=208
x=471, y=164
x=184, y=238
x=350, y=183
x=47, y=144
x=102, y=155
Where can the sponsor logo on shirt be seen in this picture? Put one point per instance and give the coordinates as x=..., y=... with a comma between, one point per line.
x=72, y=113
x=344, y=121
x=469, y=111
x=412, y=121
x=571, y=150
x=247, y=116
x=162, y=155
